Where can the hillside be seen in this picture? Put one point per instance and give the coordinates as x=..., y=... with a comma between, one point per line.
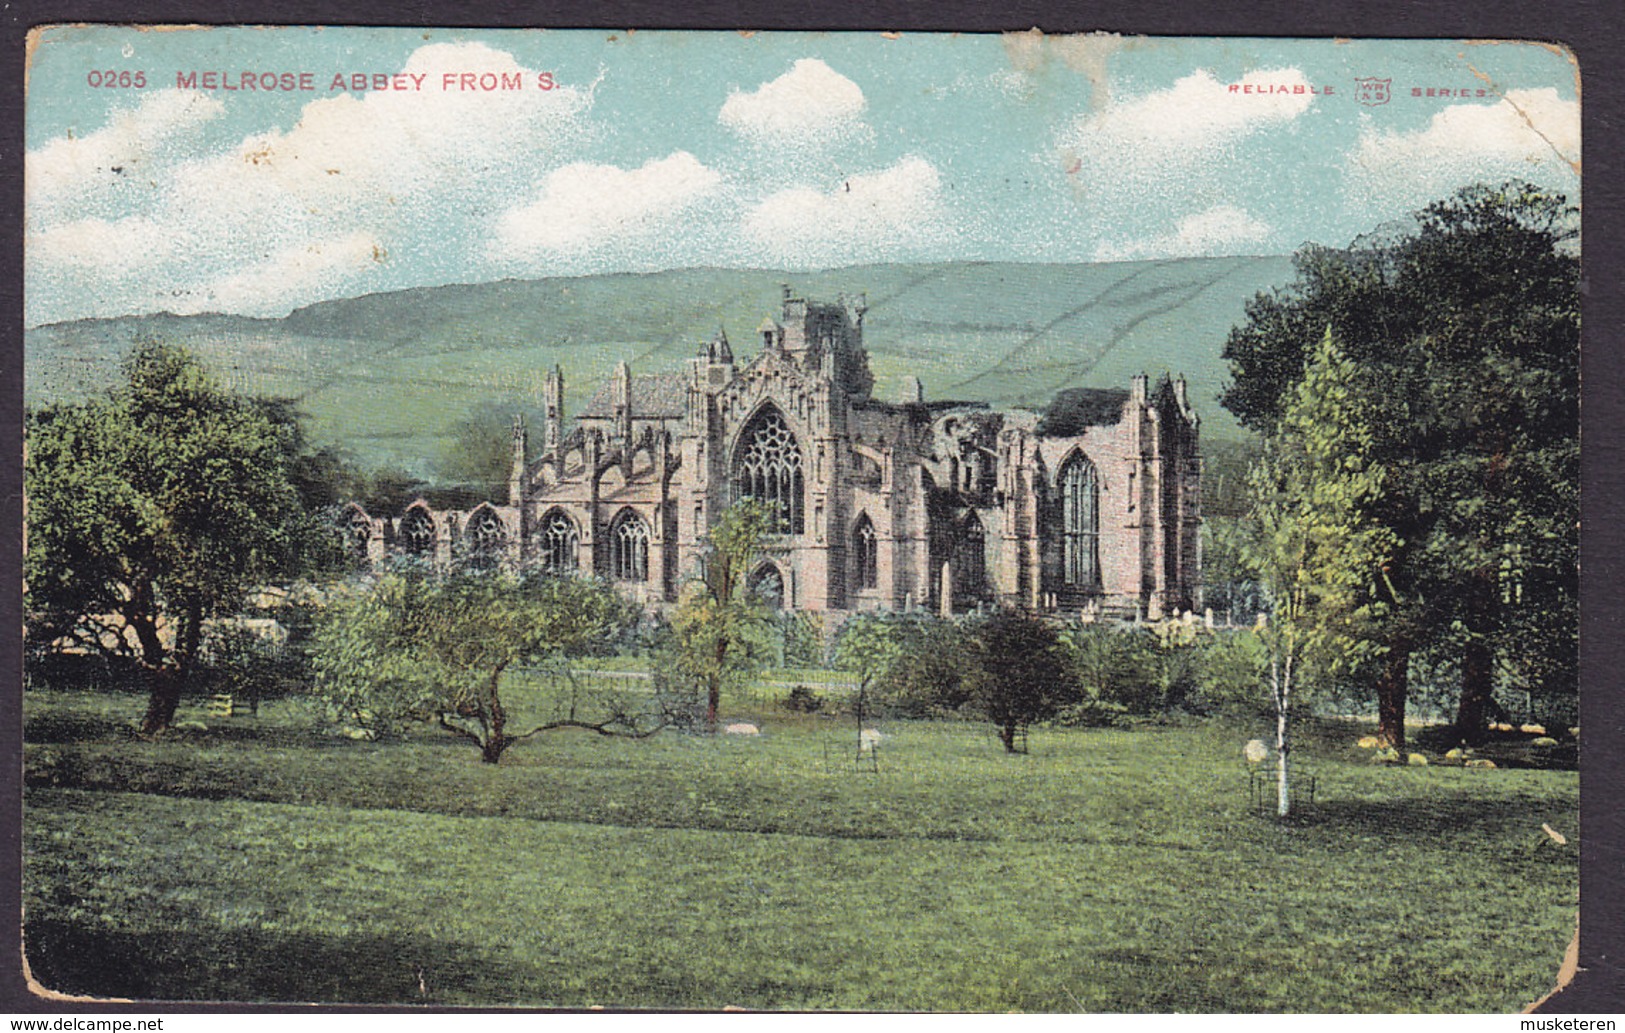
x=389, y=375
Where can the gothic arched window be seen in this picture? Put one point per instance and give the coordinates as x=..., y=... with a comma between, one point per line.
x=970, y=559
x=767, y=584
x=629, y=547
x=485, y=537
x=865, y=546
x=1080, y=523
x=559, y=541
x=767, y=467
x=417, y=531
x=356, y=527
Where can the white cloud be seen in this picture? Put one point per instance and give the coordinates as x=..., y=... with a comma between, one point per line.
x=99, y=246
x=1221, y=230
x=1184, y=124
x=586, y=207
x=863, y=217
x=283, y=210
x=1529, y=134
x=302, y=274
x=811, y=102
x=71, y=171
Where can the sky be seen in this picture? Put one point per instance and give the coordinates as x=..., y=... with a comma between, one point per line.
x=149, y=188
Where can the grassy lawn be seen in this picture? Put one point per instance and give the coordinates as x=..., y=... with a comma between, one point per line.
x=1107, y=870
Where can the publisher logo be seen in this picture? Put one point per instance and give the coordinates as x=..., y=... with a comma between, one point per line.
x=1372, y=92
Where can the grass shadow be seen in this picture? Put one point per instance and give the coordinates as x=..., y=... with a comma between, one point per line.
x=1432, y=820
x=77, y=730
x=62, y=728
x=256, y=965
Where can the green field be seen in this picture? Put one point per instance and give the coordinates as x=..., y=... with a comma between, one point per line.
x=389, y=375
x=1107, y=870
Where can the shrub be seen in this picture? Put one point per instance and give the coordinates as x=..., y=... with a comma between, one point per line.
x=242, y=662
x=803, y=639
x=101, y=672
x=1090, y=713
x=1116, y=666
x=1165, y=667
x=912, y=664
x=1231, y=673
x=803, y=700
x=1025, y=672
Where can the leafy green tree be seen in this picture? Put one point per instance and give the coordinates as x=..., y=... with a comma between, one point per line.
x=479, y=452
x=154, y=508
x=326, y=478
x=1470, y=321
x=1114, y=670
x=721, y=632
x=1500, y=449
x=423, y=645
x=910, y=664
x=1227, y=587
x=871, y=645
x=389, y=491
x=1025, y=674
x=1320, y=550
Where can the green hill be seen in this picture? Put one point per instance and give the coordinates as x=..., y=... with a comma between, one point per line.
x=388, y=375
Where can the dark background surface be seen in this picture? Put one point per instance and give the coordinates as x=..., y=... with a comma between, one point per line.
x=1591, y=30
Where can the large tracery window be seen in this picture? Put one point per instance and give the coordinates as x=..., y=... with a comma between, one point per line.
x=866, y=548
x=417, y=531
x=560, y=540
x=970, y=560
x=1080, y=523
x=629, y=547
x=486, y=538
x=767, y=467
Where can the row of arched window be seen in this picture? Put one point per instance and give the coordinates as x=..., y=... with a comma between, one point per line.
x=628, y=545
x=484, y=535
x=768, y=468
x=558, y=541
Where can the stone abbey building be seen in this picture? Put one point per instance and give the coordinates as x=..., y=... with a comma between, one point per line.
x=879, y=505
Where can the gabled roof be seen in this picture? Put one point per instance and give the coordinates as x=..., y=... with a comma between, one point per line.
x=655, y=396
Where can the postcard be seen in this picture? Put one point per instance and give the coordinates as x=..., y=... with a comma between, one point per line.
x=800, y=521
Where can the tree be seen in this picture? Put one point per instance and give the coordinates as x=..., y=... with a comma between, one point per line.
x=1470, y=320
x=1025, y=675
x=429, y=646
x=1319, y=551
x=1503, y=344
x=910, y=664
x=720, y=631
x=153, y=508
x=1227, y=587
x=326, y=478
x=870, y=646
x=479, y=451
